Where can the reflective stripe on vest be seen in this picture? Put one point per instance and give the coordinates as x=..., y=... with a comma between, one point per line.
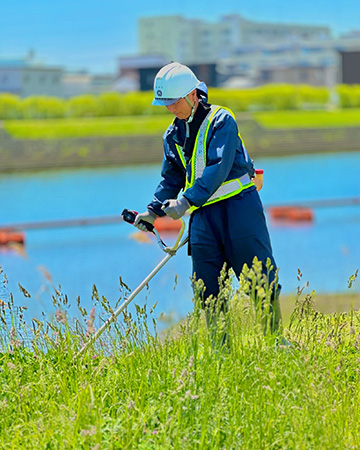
x=198, y=163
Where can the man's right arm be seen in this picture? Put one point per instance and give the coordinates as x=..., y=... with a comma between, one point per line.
x=173, y=181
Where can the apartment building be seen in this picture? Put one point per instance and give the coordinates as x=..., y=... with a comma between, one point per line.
x=194, y=41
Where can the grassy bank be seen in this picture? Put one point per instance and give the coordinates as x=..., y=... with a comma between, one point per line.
x=87, y=127
x=309, y=119
x=142, y=125
x=325, y=304
x=139, y=390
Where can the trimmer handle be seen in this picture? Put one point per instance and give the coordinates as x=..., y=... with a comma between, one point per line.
x=130, y=216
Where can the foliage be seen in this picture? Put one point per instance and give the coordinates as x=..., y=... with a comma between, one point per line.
x=313, y=97
x=42, y=107
x=87, y=127
x=268, y=97
x=149, y=124
x=271, y=97
x=110, y=104
x=349, y=95
x=183, y=390
x=82, y=106
x=9, y=107
x=308, y=119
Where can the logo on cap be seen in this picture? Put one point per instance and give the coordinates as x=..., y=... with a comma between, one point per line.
x=159, y=93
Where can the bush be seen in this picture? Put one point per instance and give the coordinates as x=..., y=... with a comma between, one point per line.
x=270, y=97
x=313, y=97
x=137, y=103
x=9, y=107
x=82, y=106
x=110, y=104
x=349, y=95
x=39, y=107
x=264, y=98
x=235, y=99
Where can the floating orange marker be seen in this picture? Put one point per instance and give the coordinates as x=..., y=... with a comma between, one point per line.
x=291, y=213
x=166, y=224
x=141, y=237
x=8, y=236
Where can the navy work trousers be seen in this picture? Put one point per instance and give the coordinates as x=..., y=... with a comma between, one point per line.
x=231, y=231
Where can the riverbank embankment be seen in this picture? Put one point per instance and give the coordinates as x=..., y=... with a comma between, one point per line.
x=23, y=154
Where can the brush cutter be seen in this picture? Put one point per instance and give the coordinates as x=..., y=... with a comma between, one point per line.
x=130, y=216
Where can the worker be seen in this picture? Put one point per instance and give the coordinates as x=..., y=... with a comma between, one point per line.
x=206, y=161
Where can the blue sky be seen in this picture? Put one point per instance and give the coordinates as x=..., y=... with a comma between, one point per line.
x=90, y=34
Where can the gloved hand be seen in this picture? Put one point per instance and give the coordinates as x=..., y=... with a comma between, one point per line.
x=258, y=183
x=147, y=216
x=176, y=208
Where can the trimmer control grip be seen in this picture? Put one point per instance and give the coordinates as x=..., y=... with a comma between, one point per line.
x=130, y=216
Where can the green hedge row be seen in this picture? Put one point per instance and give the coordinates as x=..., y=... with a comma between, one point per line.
x=269, y=97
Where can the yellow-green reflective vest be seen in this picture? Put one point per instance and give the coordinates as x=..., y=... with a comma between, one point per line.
x=198, y=163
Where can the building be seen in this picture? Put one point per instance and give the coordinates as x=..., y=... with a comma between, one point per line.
x=76, y=83
x=84, y=83
x=195, y=41
x=26, y=76
x=247, y=32
x=140, y=71
x=172, y=37
x=247, y=53
x=137, y=72
x=311, y=75
x=315, y=63
x=350, y=67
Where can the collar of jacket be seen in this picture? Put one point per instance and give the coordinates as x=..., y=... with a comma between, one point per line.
x=178, y=132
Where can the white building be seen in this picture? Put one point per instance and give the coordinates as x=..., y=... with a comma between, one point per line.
x=26, y=77
x=84, y=83
x=249, y=53
x=314, y=63
x=195, y=41
x=170, y=36
x=76, y=83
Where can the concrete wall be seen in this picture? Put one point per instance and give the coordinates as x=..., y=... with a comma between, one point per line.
x=21, y=154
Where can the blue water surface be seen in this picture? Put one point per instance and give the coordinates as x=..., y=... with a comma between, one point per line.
x=327, y=250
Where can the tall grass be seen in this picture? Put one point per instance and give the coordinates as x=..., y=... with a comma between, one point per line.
x=140, y=389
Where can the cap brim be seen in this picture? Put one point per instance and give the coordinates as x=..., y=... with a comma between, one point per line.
x=163, y=102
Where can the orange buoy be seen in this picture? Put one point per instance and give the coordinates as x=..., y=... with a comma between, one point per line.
x=141, y=237
x=291, y=213
x=167, y=224
x=9, y=237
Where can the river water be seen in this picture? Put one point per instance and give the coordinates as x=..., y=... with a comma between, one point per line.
x=327, y=250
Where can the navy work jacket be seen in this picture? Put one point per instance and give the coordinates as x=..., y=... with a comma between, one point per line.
x=226, y=159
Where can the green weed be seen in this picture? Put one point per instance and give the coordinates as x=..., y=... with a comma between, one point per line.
x=186, y=388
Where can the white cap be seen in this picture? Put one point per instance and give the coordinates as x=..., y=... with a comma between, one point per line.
x=173, y=82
